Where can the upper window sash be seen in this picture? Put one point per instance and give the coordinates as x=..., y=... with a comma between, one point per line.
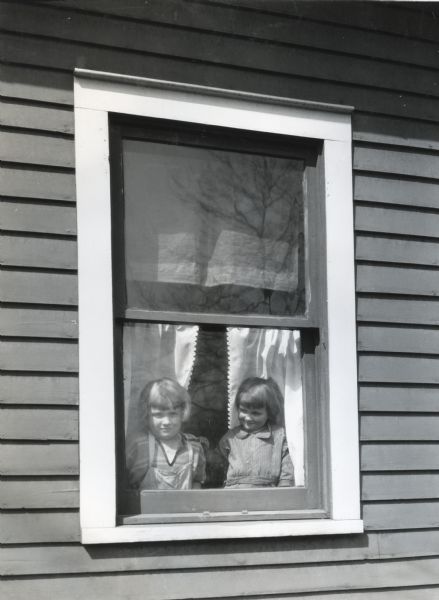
x=97, y=95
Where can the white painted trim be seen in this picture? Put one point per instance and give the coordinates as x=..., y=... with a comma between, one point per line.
x=94, y=99
x=212, y=531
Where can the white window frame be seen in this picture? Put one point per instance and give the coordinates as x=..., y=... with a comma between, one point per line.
x=95, y=96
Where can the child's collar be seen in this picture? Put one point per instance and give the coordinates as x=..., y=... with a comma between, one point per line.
x=264, y=433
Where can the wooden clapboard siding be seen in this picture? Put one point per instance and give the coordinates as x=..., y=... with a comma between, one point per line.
x=39, y=424
x=41, y=323
x=374, y=187
x=400, y=457
x=33, y=493
x=250, y=580
x=36, y=217
x=36, y=149
x=34, y=459
x=39, y=389
x=411, y=486
x=381, y=60
x=14, y=113
x=414, y=515
x=17, y=251
x=399, y=398
x=26, y=287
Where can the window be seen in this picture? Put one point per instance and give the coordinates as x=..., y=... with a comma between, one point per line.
x=210, y=252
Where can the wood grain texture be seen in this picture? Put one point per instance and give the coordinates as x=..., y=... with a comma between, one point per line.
x=37, y=217
x=398, y=369
x=396, y=191
x=38, y=288
x=39, y=389
x=39, y=356
x=402, y=161
x=397, y=221
x=39, y=424
x=230, y=20
x=399, y=428
x=36, y=149
x=42, y=323
x=399, y=398
x=16, y=251
x=419, y=340
x=379, y=129
x=39, y=52
x=398, y=280
x=396, y=486
x=39, y=493
x=25, y=82
x=39, y=459
x=34, y=527
x=413, y=515
x=399, y=457
x=32, y=183
x=14, y=113
x=395, y=310
x=205, y=584
x=236, y=51
x=374, y=248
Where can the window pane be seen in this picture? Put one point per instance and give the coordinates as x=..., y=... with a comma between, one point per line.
x=220, y=445
x=213, y=231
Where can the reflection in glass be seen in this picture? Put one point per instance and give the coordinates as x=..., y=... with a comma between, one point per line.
x=213, y=231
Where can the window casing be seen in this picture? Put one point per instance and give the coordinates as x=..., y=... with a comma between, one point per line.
x=329, y=500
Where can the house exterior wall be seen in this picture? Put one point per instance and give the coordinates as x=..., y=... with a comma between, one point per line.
x=381, y=59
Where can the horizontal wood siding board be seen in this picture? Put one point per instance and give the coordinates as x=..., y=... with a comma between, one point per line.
x=36, y=149
x=42, y=494
x=399, y=398
x=399, y=457
x=234, y=583
x=33, y=116
x=41, y=323
x=64, y=559
x=398, y=339
x=16, y=251
x=397, y=221
x=396, y=191
x=29, y=83
x=37, y=217
x=397, y=280
x=399, y=428
x=39, y=459
x=39, y=52
x=37, y=184
x=396, y=486
x=399, y=20
x=277, y=28
x=411, y=515
x=38, y=356
x=380, y=129
x=398, y=369
x=191, y=44
x=26, y=287
x=39, y=389
x=33, y=528
x=411, y=311
x=378, y=248
x=39, y=424
x=405, y=161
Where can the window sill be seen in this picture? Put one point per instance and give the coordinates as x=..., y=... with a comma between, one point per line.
x=204, y=531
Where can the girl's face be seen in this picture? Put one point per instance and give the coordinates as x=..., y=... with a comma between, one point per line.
x=251, y=418
x=165, y=423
